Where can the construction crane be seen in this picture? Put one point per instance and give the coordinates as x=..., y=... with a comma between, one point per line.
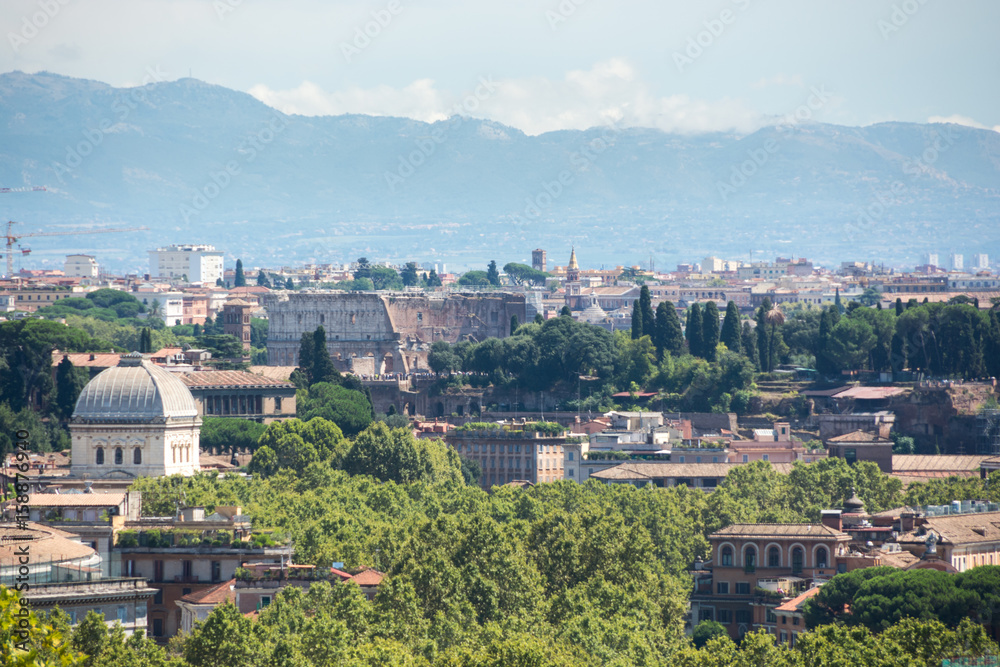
x=11, y=238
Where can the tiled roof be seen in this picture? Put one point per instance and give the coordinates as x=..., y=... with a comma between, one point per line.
x=898, y=559
x=344, y=576
x=894, y=512
x=83, y=359
x=368, y=577
x=76, y=499
x=959, y=528
x=237, y=302
x=661, y=469
x=46, y=544
x=273, y=372
x=212, y=595
x=137, y=390
x=861, y=437
x=229, y=379
x=912, y=463
x=795, y=604
x=778, y=530
x=209, y=461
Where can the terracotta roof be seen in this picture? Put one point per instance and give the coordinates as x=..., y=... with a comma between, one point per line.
x=213, y=595
x=795, y=604
x=861, y=437
x=83, y=359
x=229, y=379
x=899, y=559
x=209, y=461
x=660, y=469
x=913, y=463
x=46, y=544
x=778, y=530
x=344, y=576
x=76, y=499
x=273, y=372
x=237, y=302
x=959, y=528
x=870, y=393
x=368, y=577
x=894, y=512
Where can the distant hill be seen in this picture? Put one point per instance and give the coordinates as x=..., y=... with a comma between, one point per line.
x=334, y=188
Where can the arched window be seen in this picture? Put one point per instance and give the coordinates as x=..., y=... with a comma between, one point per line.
x=727, y=556
x=822, y=557
x=119, y=456
x=774, y=557
x=797, y=557
x=750, y=559
x=137, y=456
x=100, y=456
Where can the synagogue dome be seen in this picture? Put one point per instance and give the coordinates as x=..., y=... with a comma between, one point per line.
x=135, y=390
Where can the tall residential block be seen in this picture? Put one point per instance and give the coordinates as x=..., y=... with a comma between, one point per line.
x=199, y=263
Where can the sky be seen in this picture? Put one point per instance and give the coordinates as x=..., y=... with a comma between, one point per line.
x=542, y=65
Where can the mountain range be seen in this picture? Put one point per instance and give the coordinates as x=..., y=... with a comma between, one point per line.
x=200, y=163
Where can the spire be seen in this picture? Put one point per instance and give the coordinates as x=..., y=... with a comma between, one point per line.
x=572, y=259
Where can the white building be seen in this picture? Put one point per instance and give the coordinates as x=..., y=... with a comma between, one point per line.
x=135, y=419
x=957, y=261
x=199, y=263
x=980, y=260
x=169, y=306
x=80, y=266
x=932, y=259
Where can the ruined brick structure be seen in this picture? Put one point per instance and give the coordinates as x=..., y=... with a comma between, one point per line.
x=395, y=328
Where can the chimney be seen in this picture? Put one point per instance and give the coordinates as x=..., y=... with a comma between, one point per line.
x=832, y=519
x=906, y=521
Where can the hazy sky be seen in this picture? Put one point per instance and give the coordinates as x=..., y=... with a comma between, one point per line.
x=542, y=65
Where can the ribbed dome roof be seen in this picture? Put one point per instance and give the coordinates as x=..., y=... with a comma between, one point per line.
x=135, y=390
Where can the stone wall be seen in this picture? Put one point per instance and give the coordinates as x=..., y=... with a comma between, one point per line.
x=395, y=328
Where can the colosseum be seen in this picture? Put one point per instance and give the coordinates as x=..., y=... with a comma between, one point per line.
x=384, y=332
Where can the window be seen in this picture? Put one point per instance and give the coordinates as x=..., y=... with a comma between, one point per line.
x=821, y=557
x=795, y=620
x=742, y=588
x=681, y=460
x=100, y=456
x=767, y=457
x=157, y=570
x=770, y=616
x=571, y=473
x=119, y=456
x=140, y=610
x=851, y=456
x=774, y=557
x=742, y=616
x=750, y=559
x=725, y=616
x=797, y=557
x=722, y=588
x=569, y=456
x=727, y=556
x=745, y=458
x=137, y=456
x=265, y=600
x=157, y=627
x=158, y=598
x=705, y=615
x=187, y=569
x=277, y=404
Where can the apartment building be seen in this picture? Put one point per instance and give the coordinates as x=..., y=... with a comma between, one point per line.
x=195, y=263
x=512, y=452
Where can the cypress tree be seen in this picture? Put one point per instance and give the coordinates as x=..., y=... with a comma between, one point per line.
x=69, y=383
x=565, y=312
x=239, y=280
x=646, y=308
x=837, y=303
x=322, y=368
x=694, y=331
x=710, y=330
x=636, y=321
x=731, y=335
x=513, y=324
x=289, y=285
x=749, y=342
x=668, y=330
x=763, y=339
x=539, y=318
x=492, y=274
x=899, y=306
x=826, y=324
x=306, y=355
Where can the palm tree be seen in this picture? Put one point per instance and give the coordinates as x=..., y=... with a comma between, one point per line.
x=156, y=308
x=775, y=318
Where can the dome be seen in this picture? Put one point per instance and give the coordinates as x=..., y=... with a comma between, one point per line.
x=593, y=313
x=135, y=390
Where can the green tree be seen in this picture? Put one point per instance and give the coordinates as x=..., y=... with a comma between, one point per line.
x=731, y=334
x=347, y=408
x=363, y=270
x=70, y=381
x=226, y=434
x=748, y=340
x=227, y=637
x=239, y=280
x=710, y=331
x=43, y=642
x=646, y=308
x=492, y=274
x=566, y=312
x=474, y=279
x=695, y=331
x=307, y=355
x=636, y=329
x=708, y=630
x=433, y=280
x=850, y=344
x=522, y=274
x=409, y=275
x=514, y=324
x=323, y=369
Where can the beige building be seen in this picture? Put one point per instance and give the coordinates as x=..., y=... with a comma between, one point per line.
x=81, y=266
x=135, y=419
x=512, y=453
x=240, y=394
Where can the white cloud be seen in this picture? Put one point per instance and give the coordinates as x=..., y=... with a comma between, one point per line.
x=958, y=119
x=610, y=91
